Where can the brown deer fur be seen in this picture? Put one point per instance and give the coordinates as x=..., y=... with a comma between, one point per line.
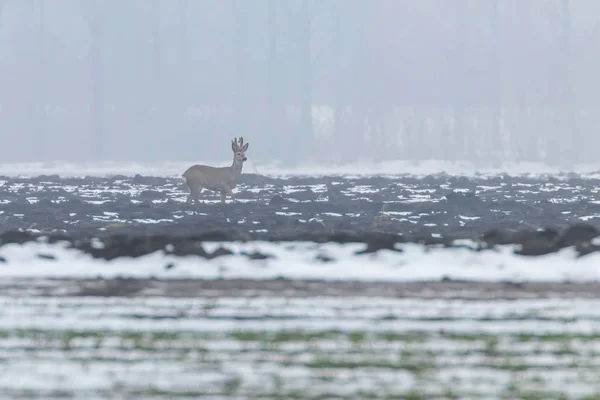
x=219, y=179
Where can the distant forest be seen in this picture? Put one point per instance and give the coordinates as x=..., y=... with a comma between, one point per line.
x=302, y=80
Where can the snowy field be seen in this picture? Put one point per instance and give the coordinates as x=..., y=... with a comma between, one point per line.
x=270, y=347
x=299, y=319
x=384, y=168
x=440, y=207
x=300, y=260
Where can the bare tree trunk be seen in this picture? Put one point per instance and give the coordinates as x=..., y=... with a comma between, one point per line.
x=353, y=140
x=570, y=135
x=239, y=47
x=382, y=139
x=156, y=50
x=158, y=114
x=183, y=42
x=272, y=134
x=96, y=19
x=2, y=98
x=496, y=143
x=183, y=66
x=561, y=148
x=302, y=143
x=38, y=134
x=462, y=148
x=333, y=153
x=413, y=132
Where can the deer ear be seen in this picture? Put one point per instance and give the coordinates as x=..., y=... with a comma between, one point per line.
x=233, y=146
x=246, y=146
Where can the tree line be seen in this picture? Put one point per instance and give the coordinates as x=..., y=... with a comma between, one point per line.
x=307, y=80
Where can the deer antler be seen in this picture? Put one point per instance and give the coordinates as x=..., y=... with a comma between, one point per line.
x=238, y=144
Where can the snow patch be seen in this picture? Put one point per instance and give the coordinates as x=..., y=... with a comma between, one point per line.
x=356, y=169
x=298, y=260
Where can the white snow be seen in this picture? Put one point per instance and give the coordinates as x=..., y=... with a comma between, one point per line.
x=384, y=168
x=297, y=261
x=103, y=347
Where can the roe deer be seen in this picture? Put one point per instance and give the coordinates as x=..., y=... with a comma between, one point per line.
x=219, y=179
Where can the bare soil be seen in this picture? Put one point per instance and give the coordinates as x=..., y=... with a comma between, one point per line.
x=296, y=288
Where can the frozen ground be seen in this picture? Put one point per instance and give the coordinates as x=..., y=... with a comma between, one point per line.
x=142, y=224
x=435, y=205
x=290, y=348
x=303, y=260
x=270, y=298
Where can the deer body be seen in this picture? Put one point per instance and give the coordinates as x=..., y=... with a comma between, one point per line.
x=219, y=179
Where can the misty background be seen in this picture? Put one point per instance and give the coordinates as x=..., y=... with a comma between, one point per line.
x=302, y=80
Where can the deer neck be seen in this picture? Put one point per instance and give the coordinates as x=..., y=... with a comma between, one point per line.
x=237, y=167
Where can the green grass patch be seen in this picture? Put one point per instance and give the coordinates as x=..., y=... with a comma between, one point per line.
x=415, y=366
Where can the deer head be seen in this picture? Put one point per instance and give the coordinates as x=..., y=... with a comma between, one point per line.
x=239, y=150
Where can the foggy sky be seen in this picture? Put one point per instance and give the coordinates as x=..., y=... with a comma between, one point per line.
x=318, y=80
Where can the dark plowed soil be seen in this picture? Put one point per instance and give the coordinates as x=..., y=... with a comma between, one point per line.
x=138, y=215
x=449, y=206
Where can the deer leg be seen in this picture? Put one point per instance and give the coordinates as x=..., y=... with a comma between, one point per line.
x=230, y=192
x=223, y=194
x=197, y=195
